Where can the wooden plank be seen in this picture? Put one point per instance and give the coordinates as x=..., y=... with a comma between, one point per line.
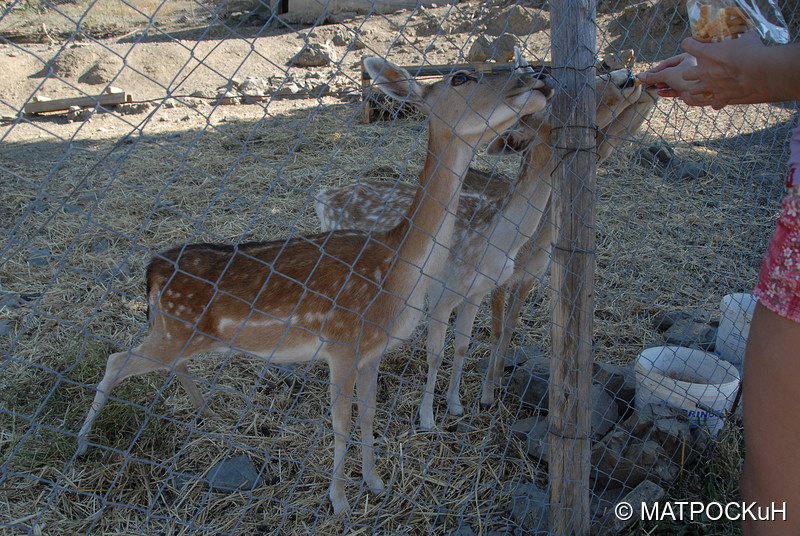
x=572, y=268
x=55, y=105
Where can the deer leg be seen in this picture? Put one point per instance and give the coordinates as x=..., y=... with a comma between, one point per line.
x=367, y=385
x=120, y=366
x=499, y=297
x=190, y=386
x=534, y=268
x=342, y=375
x=437, y=331
x=498, y=314
x=494, y=373
x=463, y=335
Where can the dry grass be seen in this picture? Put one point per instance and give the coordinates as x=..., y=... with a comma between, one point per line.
x=663, y=244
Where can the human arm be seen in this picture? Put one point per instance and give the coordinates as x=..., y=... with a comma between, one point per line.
x=742, y=71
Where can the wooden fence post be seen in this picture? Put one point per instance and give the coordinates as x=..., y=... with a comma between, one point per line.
x=573, y=30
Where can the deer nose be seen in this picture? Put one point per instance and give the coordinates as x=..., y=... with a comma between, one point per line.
x=630, y=81
x=549, y=88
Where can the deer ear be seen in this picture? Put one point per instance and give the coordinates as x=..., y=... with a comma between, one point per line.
x=393, y=80
x=509, y=142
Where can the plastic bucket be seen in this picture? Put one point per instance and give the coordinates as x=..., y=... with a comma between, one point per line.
x=698, y=382
x=734, y=326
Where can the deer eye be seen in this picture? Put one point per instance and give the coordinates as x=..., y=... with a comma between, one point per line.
x=460, y=78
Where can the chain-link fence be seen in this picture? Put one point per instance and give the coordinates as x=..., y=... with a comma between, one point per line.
x=156, y=156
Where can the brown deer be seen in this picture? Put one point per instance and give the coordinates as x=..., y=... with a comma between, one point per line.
x=501, y=231
x=342, y=297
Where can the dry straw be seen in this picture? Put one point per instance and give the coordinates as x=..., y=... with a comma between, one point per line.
x=664, y=243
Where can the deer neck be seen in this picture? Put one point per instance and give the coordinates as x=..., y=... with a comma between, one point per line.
x=422, y=240
x=528, y=200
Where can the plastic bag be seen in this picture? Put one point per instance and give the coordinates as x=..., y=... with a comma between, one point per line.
x=716, y=20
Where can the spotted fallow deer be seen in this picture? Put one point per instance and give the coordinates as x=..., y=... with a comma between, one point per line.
x=501, y=234
x=342, y=297
x=617, y=120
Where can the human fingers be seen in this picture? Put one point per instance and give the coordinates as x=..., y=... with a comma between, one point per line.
x=691, y=74
x=666, y=64
x=669, y=93
x=692, y=46
x=704, y=99
x=660, y=78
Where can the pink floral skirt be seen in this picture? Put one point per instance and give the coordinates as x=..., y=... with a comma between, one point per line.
x=778, y=287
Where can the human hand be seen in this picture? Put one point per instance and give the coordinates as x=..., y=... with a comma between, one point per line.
x=724, y=70
x=668, y=76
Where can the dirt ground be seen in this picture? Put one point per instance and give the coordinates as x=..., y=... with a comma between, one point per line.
x=178, y=49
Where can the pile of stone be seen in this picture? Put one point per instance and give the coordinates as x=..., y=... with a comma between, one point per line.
x=634, y=451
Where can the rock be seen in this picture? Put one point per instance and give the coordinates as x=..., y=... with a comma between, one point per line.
x=87, y=198
x=347, y=38
x=76, y=113
x=499, y=49
x=517, y=359
x=534, y=431
x=648, y=160
x=133, y=109
x=234, y=474
x=9, y=302
x=40, y=257
x=605, y=412
x=464, y=530
x=319, y=90
x=531, y=378
x=691, y=334
x=252, y=85
x=533, y=353
x=665, y=320
x=313, y=55
x=40, y=205
x=604, y=500
x=516, y=20
x=529, y=506
x=658, y=155
x=288, y=89
x=427, y=29
x=100, y=245
x=611, y=524
x=5, y=328
x=650, y=444
x=622, y=460
x=531, y=385
x=103, y=72
x=204, y=94
x=689, y=171
x=618, y=381
x=120, y=272
x=669, y=428
x=663, y=152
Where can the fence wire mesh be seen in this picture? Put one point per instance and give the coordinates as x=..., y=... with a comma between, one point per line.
x=133, y=127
